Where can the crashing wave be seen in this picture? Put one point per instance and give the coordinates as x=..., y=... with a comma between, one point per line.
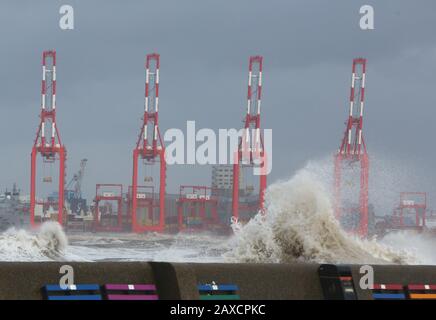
x=19, y=245
x=300, y=227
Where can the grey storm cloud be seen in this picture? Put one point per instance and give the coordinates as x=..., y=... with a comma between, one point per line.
x=308, y=47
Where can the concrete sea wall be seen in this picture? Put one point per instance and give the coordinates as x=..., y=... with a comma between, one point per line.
x=24, y=280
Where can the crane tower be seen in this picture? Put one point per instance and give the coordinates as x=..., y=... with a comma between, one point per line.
x=250, y=147
x=151, y=151
x=352, y=152
x=48, y=142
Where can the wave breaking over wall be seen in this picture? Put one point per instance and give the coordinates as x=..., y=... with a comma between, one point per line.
x=299, y=226
x=19, y=245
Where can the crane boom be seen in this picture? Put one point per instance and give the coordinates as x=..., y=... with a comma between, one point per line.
x=77, y=180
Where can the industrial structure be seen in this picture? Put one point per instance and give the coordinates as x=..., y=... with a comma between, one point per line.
x=149, y=151
x=352, y=157
x=48, y=144
x=109, y=216
x=250, y=153
x=73, y=192
x=145, y=201
x=411, y=212
x=147, y=207
x=193, y=206
x=143, y=207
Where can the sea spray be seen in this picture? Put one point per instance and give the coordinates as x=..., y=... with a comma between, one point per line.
x=299, y=226
x=420, y=245
x=49, y=243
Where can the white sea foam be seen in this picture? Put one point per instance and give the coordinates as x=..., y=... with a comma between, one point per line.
x=49, y=243
x=420, y=245
x=299, y=226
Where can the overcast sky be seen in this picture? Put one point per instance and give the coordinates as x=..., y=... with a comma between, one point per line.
x=307, y=46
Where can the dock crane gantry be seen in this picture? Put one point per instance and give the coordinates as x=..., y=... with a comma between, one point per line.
x=353, y=150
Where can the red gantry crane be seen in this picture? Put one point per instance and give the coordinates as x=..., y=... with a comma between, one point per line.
x=48, y=142
x=150, y=150
x=250, y=151
x=352, y=152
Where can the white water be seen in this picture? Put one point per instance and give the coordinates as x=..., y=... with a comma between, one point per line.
x=201, y=247
x=50, y=243
x=18, y=245
x=420, y=245
x=299, y=227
